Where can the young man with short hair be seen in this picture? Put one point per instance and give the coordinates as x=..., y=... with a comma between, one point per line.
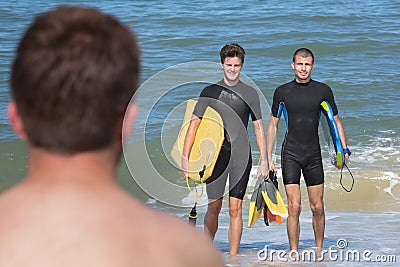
x=235, y=101
x=301, y=152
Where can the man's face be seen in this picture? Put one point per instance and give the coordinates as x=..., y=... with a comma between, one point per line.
x=302, y=67
x=232, y=67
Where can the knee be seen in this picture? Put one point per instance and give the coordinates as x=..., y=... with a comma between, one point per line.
x=213, y=210
x=317, y=209
x=235, y=211
x=294, y=209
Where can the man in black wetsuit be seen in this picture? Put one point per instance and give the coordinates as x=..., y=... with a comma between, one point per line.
x=235, y=101
x=300, y=101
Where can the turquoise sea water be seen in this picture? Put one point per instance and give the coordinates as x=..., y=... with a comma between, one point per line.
x=356, y=44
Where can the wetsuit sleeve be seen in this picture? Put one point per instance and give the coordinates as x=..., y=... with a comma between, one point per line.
x=255, y=108
x=275, y=103
x=202, y=104
x=331, y=99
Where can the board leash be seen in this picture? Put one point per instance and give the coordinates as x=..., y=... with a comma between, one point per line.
x=193, y=213
x=341, y=177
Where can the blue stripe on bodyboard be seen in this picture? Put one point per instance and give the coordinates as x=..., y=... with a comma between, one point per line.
x=334, y=132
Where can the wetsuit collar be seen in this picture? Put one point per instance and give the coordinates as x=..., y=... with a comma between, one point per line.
x=302, y=84
x=223, y=84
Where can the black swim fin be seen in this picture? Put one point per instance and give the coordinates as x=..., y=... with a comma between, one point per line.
x=265, y=211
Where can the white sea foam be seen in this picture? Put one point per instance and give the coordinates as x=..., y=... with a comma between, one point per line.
x=391, y=176
x=390, y=187
x=150, y=201
x=190, y=199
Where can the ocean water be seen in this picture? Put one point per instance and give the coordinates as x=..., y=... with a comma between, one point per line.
x=356, y=45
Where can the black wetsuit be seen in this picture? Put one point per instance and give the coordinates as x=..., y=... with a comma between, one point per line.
x=301, y=149
x=235, y=105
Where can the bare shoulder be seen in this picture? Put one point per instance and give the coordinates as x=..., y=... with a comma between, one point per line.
x=96, y=229
x=175, y=239
x=194, y=244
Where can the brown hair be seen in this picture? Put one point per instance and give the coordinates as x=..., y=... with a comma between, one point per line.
x=75, y=72
x=232, y=50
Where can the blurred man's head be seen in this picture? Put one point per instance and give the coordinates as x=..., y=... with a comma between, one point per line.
x=75, y=72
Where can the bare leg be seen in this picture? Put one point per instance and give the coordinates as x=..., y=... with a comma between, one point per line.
x=294, y=210
x=236, y=224
x=211, y=217
x=316, y=197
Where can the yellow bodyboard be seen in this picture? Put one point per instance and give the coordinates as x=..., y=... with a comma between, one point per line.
x=206, y=146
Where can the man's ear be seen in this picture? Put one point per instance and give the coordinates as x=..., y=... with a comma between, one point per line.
x=129, y=119
x=16, y=121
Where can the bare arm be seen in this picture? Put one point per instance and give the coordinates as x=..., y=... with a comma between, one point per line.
x=342, y=136
x=271, y=137
x=261, y=142
x=187, y=145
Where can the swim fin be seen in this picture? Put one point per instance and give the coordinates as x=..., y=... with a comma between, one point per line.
x=257, y=203
x=273, y=198
x=271, y=217
x=266, y=212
